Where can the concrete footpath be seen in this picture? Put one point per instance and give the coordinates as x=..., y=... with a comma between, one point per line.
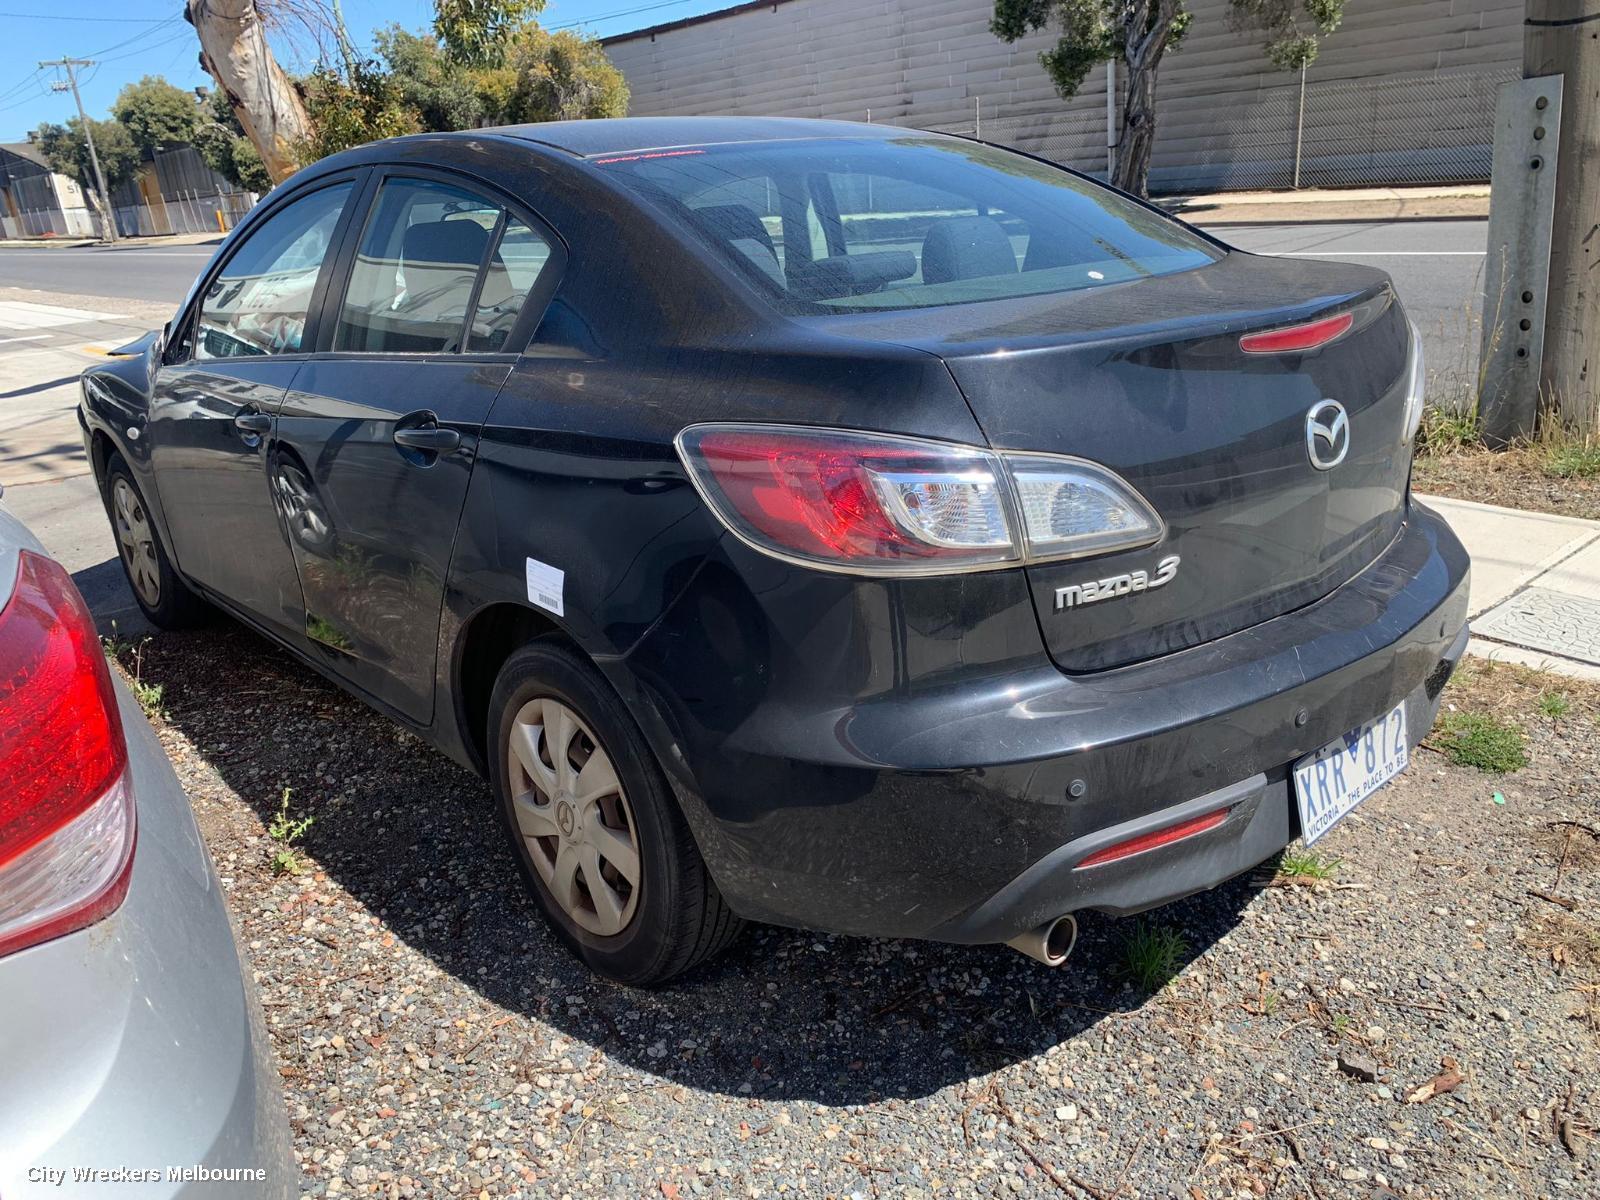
x=1535, y=585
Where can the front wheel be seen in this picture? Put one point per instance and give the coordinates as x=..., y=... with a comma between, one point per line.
x=165, y=600
x=593, y=823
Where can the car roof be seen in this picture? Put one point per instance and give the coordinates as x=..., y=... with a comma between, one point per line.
x=617, y=135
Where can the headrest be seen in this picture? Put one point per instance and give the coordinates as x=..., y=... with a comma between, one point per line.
x=966, y=248
x=444, y=243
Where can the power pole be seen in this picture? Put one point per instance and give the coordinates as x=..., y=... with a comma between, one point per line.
x=1555, y=41
x=70, y=66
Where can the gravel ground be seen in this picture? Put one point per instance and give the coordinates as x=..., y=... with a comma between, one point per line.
x=435, y=1040
x=1510, y=478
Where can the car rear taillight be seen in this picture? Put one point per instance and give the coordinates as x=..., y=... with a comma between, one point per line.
x=1159, y=837
x=1416, y=386
x=66, y=810
x=881, y=504
x=1298, y=338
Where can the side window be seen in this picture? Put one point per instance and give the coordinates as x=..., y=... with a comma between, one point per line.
x=258, y=302
x=518, y=261
x=415, y=269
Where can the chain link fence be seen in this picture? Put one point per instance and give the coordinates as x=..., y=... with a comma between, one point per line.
x=1434, y=127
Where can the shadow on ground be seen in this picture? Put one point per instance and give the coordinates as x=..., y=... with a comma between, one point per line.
x=783, y=1014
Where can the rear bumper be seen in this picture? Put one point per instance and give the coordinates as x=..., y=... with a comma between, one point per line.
x=138, y=1043
x=959, y=812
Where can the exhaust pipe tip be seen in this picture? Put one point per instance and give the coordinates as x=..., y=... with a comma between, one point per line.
x=1050, y=943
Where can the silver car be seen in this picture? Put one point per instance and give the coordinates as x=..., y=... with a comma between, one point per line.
x=132, y=1049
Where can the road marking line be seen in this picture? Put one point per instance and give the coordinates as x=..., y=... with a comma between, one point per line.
x=28, y=337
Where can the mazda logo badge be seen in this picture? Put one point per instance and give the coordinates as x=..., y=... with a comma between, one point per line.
x=1327, y=434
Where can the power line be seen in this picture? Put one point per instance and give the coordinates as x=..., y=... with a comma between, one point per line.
x=140, y=36
x=96, y=20
x=626, y=12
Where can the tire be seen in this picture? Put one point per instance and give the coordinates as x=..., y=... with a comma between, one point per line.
x=165, y=600
x=639, y=931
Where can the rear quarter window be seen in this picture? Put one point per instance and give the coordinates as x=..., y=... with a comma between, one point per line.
x=835, y=225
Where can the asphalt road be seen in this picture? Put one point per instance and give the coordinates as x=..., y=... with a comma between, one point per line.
x=1437, y=267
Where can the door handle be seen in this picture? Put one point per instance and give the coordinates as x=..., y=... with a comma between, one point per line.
x=430, y=439
x=253, y=424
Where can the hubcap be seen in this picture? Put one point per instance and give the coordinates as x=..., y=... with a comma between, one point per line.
x=574, y=819
x=137, y=542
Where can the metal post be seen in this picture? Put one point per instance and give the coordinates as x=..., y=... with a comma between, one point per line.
x=977, y=118
x=1111, y=119
x=70, y=66
x=1299, y=126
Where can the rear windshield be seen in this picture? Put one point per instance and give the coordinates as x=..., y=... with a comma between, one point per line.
x=834, y=225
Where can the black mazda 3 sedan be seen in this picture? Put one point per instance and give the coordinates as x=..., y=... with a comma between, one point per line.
x=825, y=524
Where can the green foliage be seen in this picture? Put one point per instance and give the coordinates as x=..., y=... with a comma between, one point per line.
x=286, y=831
x=67, y=151
x=1554, y=705
x=158, y=116
x=1152, y=955
x=553, y=77
x=416, y=85
x=1478, y=740
x=1448, y=430
x=437, y=89
x=1306, y=865
x=1294, y=29
x=350, y=110
x=1573, y=460
x=1092, y=31
x=475, y=32
x=221, y=141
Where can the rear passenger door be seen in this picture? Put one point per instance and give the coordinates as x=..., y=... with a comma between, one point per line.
x=377, y=437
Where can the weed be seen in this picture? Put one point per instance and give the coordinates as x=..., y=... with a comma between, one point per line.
x=286, y=831
x=1554, y=705
x=1306, y=865
x=1341, y=1023
x=1477, y=740
x=1573, y=460
x=147, y=694
x=1449, y=431
x=1152, y=955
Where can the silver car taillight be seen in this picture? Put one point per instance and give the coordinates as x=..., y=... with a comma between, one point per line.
x=882, y=504
x=66, y=808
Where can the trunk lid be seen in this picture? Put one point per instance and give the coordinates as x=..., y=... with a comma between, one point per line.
x=1148, y=378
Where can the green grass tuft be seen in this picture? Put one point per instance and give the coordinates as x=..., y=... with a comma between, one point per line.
x=1449, y=431
x=1573, y=460
x=1554, y=705
x=1152, y=955
x=1306, y=864
x=1477, y=740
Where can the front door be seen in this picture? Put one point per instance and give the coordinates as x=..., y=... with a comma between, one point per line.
x=377, y=436
x=215, y=400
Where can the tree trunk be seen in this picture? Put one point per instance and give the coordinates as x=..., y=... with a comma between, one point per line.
x=234, y=50
x=1555, y=42
x=1146, y=34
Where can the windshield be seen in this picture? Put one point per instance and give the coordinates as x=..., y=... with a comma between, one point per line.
x=836, y=225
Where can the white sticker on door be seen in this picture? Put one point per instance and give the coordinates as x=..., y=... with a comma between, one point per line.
x=545, y=585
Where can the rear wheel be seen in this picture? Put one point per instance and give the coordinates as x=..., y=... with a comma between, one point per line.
x=594, y=825
x=165, y=600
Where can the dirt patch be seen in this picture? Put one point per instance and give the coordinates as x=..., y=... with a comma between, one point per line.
x=435, y=1039
x=1510, y=478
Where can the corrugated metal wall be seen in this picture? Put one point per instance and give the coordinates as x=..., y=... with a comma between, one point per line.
x=1404, y=92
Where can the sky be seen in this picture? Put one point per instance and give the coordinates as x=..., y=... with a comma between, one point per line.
x=150, y=37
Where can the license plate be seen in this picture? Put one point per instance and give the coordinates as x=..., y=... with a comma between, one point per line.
x=1331, y=782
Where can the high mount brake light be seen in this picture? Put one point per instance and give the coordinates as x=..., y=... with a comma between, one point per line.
x=880, y=504
x=66, y=810
x=1298, y=338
